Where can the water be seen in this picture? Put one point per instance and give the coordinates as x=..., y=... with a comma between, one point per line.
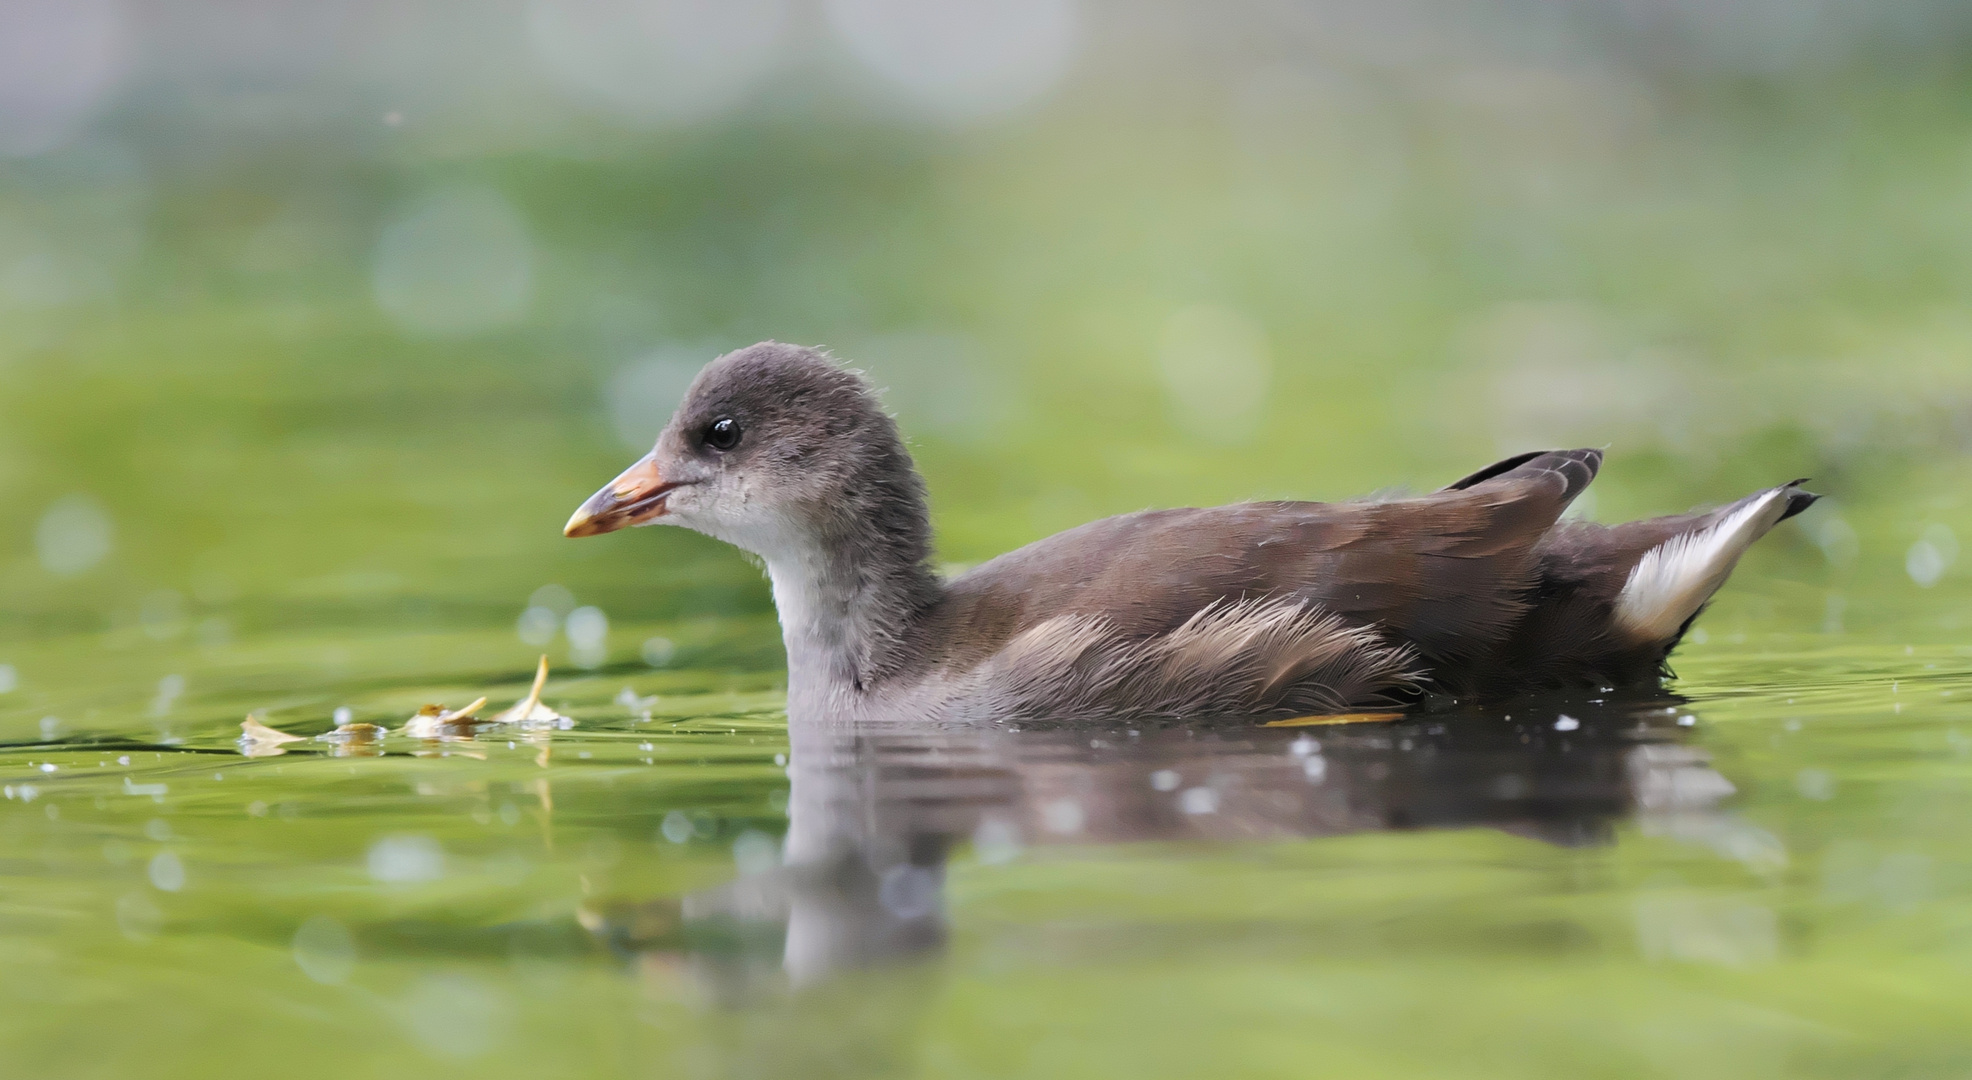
x=1765, y=875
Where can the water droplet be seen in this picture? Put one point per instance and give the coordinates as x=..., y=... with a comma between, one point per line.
x=167, y=871
x=754, y=852
x=73, y=535
x=1063, y=816
x=537, y=626
x=995, y=841
x=406, y=859
x=588, y=636
x=1926, y=563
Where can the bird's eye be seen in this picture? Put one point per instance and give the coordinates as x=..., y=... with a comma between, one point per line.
x=724, y=434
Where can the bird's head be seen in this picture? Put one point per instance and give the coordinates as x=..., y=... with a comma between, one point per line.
x=773, y=449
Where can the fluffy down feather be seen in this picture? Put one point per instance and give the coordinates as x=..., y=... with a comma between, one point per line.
x=1249, y=657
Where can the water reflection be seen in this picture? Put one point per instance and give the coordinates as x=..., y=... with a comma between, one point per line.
x=876, y=813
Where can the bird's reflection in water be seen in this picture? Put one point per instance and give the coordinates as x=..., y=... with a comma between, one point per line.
x=875, y=812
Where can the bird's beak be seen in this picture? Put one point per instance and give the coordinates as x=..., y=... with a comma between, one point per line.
x=634, y=498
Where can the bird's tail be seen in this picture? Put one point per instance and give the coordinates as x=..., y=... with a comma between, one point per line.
x=1673, y=580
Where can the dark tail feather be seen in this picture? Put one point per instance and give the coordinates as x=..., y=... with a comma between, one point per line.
x=1797, y=500
x=1575, y=467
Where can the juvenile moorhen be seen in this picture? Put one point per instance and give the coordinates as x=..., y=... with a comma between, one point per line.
x=1260, y=609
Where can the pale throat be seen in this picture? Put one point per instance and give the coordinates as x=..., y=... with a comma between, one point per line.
x=844, y=601
x=820, y=625
x=815, y=612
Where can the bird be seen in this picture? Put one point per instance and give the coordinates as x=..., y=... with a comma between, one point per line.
x=1479, y=591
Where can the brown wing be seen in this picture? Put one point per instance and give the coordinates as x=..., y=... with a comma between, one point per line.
x=1448, y=573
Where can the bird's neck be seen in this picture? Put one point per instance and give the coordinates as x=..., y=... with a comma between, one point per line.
x=850, y=605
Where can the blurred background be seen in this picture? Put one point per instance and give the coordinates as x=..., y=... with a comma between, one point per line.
x=317, y=319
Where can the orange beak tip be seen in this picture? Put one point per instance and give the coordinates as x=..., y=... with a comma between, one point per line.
x=606, y=510
x=583, y=523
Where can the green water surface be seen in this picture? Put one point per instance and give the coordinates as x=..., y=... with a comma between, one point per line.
x=1768, y=877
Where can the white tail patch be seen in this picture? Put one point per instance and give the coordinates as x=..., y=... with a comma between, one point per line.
x=1675, y=578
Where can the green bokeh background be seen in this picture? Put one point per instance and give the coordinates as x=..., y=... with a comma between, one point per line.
x=1732, y=244
x=1452, y=237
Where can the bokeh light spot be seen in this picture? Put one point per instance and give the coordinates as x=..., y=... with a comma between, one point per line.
x=454, y=263
x=588, y=636
x=1217, y=368
x=658, y=61
x=167, y=871
x=73, y=535
x=58, y=60
x=961, y=60
x=324, y=950
x=406, y=859
x=455, y=1016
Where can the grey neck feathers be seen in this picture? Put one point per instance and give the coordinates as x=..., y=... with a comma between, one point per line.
x=852, y=588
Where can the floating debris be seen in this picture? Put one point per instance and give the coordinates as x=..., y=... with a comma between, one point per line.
x=259, y=740
x=529, y=712
x=356, y=740
x=438, y=722
x=354, y=733
x=432, y=722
